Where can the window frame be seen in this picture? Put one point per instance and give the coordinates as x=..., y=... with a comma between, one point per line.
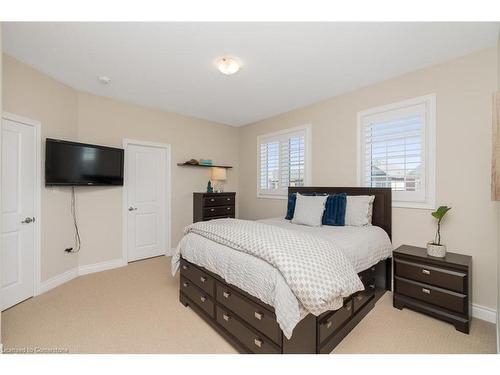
x=429, y=147
x=269, y=137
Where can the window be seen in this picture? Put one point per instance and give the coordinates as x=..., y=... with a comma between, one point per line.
x=282, y=161
x=397, y=150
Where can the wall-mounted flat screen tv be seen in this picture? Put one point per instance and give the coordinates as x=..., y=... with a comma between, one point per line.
x=79, y=164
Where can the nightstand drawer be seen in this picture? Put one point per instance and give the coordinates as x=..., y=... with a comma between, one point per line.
x=430, y=294
x=444, y=278
x=218, y=211
x=223, y=200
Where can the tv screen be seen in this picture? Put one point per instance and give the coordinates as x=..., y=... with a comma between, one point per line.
x=73, y=164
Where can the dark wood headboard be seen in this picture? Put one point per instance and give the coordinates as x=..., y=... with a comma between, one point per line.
x=382, y=205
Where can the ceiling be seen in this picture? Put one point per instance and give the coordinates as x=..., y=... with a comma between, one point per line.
x=285, y=66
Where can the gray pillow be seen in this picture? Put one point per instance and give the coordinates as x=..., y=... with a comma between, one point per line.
x=309, y=210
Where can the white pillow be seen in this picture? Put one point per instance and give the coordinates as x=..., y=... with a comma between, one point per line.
x=359, y=209
x=309, y=210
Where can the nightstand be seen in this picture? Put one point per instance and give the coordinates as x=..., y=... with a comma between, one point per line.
x=208, y=206
x=440, y=287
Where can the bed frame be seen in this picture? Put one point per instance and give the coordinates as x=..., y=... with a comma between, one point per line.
x=250, y=325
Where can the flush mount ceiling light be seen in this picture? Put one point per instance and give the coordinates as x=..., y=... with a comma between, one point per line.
x=104, y=80
x=228, y=66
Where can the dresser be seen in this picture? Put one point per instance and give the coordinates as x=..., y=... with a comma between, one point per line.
x=208, y=206
x=439, y=287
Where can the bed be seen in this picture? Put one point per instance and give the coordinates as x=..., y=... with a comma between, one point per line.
x=249, y=302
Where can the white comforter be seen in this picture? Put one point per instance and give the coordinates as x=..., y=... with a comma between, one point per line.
x=363, y=246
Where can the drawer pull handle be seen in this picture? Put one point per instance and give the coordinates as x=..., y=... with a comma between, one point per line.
x=203, y=279
x=226, y=294
x=228, y=199
x=426, y=291
x=185, y=284
x=184, y=267
x=372, y=286
x=348, y=307
x=229, y=208
x=372, y=269
x=426, y=272
x=258, y=342
x=328, y=325
x=203, y=298
x=212, y=200
x=212, y=209
x=359, y=297
x=258, y=315
x=226, y=317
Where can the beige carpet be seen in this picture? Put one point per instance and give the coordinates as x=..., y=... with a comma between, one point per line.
x=135, y=309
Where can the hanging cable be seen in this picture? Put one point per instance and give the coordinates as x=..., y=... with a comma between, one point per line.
x=78, y=241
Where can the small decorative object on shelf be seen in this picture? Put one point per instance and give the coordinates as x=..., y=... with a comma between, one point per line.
x=436, y=249
x=210, y=189
x=207, y=162
x=192, y=162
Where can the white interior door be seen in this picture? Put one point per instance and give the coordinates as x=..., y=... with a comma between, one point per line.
x=18, y=212
x=146, y=195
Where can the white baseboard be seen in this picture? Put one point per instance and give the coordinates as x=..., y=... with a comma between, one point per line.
x=57, y=280
x=484, y=313
x=102, y=266
x=69, y=275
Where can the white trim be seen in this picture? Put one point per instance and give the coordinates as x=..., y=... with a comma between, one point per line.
x=484, y=313
x=308, y=156
x=430, y=147
x=57, y=280
x=102, y=266
x=38, y=194
x=73, y=273
x=168, y=195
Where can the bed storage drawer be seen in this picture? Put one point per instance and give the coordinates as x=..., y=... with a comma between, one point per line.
x=440, y=297
x=218, y=211
x=223, y=200
x=449, y=279
x=254, y=314
x=250, y=338
x=199, y=297
x=198, y=277
x=335, y=320
x=362, y=297
x=367, y=277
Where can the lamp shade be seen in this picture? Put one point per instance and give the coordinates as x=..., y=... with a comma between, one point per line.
x=219, y=174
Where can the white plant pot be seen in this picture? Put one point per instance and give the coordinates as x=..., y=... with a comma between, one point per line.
x=434, y=250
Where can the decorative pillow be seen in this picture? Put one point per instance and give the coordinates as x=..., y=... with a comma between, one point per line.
x=290, y=209
x=309, y=210
x=335, y=210
x=359, y=210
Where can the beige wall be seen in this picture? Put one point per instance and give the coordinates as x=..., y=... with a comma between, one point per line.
x=106, y=121
x=463, y=88
x=28, y=93
x=68, y=114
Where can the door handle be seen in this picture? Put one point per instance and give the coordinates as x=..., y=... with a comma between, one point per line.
x=28, y=220
x=132, y=208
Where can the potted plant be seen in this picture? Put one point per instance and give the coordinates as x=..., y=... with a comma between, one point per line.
x=435, y=248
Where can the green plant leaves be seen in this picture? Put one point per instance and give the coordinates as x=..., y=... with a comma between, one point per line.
x=440, y=212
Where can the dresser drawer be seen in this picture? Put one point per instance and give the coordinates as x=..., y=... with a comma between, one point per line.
x=367, y=277
x=199, y=297
x=198, y=277
x=361, y=298
x=251, y=339
x=223, y=200
x=444, y=278
x=335, y=320
x=440, y=297
x=231, y=216
x=218, y=211
x=254, y=314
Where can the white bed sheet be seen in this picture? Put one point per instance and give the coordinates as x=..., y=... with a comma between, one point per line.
x=363, y=246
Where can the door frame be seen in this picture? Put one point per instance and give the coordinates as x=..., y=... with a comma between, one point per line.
x=37, y=126
x=167, y=148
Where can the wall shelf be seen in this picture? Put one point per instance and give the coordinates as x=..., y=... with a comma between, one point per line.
x=203, y=166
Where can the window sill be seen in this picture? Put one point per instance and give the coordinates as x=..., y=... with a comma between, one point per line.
x=272, y=196
x=414, y=205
